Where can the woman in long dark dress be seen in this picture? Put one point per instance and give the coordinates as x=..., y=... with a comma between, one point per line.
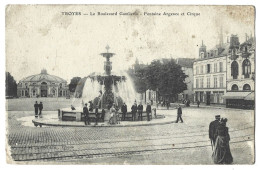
x=222, y=154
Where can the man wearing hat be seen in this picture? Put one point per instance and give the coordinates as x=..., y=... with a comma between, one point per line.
x=40, y=109
x=140, y=111
x=212, y=130
x=179, y=114
x=124, y=111
x=134, y=110
x=86, y=114
x=148, y=111
x=36, y=107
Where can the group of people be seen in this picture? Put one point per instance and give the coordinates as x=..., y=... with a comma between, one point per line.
x=98, y=116
x=219, y=137
x=139, y=109
x=38, y=109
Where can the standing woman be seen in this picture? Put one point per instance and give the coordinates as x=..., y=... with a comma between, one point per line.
x=222, y=154
x=112, y=119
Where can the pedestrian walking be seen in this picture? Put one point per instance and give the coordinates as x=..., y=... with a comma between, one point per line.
x=40, y=109
x=148, y=111
x=36, y=107
x=222, y=154
x=198, y=103
x=212, y=130
x=124, y=111
x=140, y=111
x=134, y=110
x=179, y=114
x=86, y=114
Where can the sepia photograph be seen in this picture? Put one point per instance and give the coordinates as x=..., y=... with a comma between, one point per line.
x=130, y=84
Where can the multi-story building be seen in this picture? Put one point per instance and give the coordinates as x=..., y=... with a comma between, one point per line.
x=241, y=73
x=210, y=74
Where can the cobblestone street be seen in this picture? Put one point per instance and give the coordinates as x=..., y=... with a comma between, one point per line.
x=182, y=143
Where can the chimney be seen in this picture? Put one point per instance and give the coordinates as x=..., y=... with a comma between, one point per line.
x=234, y=41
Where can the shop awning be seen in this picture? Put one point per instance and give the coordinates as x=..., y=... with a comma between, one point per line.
x=251, y=96
x=236, y=95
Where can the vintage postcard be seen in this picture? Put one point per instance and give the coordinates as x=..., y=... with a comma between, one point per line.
x=130, y=84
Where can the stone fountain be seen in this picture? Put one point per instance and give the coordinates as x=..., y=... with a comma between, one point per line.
x=102, y=89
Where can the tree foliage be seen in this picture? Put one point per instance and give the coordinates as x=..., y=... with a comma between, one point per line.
x=10, y=85
x=73, y=83
x=167, y=78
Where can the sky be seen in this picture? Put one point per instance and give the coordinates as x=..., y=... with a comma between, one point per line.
x=39, y=36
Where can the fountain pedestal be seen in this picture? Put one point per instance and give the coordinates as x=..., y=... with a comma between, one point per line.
x=78, y=116
x=107, y=116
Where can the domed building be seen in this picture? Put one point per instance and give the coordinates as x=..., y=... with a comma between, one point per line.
x=42, y=85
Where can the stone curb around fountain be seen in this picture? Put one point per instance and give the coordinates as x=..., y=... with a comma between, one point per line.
x=42, y=122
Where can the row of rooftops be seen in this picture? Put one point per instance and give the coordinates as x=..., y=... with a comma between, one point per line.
x=220, y=50
x=224, y=49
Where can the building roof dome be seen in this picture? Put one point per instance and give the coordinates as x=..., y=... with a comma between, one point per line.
x=43, y=76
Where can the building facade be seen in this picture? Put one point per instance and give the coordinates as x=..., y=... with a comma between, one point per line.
x=241, y=73
x=187, y=68
x=210, y=74
x=42, y=85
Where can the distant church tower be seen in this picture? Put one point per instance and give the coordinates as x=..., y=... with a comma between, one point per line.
x=202, y=51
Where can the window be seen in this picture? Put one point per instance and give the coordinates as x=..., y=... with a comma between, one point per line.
x=201, y=83
x=220, y=66
x=201, y=69
x=246, y=87
x=208, y=82
x=234, y=69
x=215, y=82
x=246, y=67
x=197, y=83
x=220, y=82
x=208, y=68
x=34, y=92
x=197, y=69
x=202, y=55
x=215, y=67
x=234, y=87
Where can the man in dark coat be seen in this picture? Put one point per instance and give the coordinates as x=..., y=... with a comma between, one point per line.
x=97, y=115
x=179, y=114
x=40, y=108
x=86, y=114
x=36, y=107
x=91, y=106
x=134, y=110
x=124, y=111
x=103, y=112
x=213, y=128
x=148, y=111
x=140, y=109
